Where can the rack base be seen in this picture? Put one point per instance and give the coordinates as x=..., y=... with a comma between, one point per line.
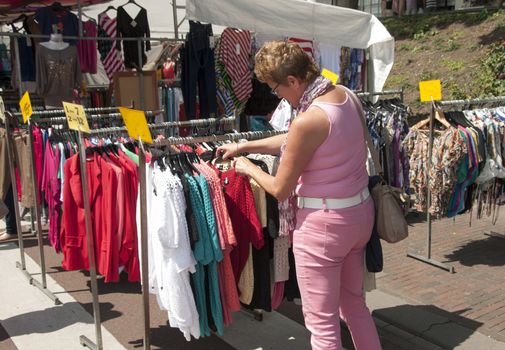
x=431, y=262
x=85, y=341
x=39, y=285
x=27, y=275
x=494, y=234
x=256, y=313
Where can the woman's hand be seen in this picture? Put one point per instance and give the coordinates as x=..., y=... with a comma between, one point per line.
x=228, y=150
x=243, y=166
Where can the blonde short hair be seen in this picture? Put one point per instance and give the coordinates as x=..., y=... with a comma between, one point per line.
x=278, y=59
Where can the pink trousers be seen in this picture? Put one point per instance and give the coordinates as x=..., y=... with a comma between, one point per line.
x=329, y=248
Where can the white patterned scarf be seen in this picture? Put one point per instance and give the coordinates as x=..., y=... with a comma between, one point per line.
x=287, y=208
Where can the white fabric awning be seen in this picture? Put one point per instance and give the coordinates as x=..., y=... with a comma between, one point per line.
x=307, y=20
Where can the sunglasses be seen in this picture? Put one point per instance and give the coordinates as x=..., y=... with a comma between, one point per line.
x=274, y=92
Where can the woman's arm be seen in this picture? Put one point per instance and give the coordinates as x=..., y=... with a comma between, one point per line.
x=306, y=134
x=270, y=145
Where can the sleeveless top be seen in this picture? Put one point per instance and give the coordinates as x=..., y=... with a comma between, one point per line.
x=338, y=167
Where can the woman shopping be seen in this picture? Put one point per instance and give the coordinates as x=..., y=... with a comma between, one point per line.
x=323, y=161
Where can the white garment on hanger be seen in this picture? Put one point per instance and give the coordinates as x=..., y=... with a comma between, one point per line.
x=171, y=258
x=281, y=116
x=55, y=42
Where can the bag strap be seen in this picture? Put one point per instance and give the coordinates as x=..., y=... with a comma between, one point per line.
x=371, y=148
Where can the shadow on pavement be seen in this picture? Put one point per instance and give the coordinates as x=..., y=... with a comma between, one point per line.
x=486, y=251
x=166, y=337
x=437, y=326
x=415, y=217
x=52, y=319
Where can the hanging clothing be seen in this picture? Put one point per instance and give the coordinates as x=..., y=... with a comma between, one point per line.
x=110, y=55
x=170, y=252
x=87, y=48
x=51, y=21
x=198, y=69
x=58, y=74
x=236, y=55
x=128, y=27
x=240, y=205
x=51, y=186
x=26, y=61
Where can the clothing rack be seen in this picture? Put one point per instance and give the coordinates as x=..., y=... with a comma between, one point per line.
x=143, y=219
x=139, y=41
x=90, y=117
x=10, y=144
x=383, y=93
x=474, y=101
x=85, y=341
x=168, y=125
x=428, y=259
x=58, y=112
x=247, y=135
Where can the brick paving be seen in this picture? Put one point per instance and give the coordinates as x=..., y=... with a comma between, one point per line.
x=474, y=295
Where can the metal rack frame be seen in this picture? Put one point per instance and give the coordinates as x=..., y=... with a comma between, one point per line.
x=428, y=259
x=83, y=339
x=143, y=222
x=400, y=92
x=42, y=285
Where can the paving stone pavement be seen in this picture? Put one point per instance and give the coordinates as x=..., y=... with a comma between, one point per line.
x=473, y=295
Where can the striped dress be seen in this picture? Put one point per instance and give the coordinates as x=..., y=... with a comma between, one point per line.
x=236, y=55
x=109, y=54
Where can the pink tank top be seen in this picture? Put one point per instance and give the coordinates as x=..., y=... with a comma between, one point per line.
x=338, y=166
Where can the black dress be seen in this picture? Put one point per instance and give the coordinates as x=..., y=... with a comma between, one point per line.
x=128, y=27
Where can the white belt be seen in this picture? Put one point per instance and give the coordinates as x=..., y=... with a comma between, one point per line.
x=333, y=203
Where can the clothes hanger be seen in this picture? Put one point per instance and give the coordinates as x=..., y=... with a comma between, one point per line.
x=131, y=2
x=439, y=115
x=19, y=18
x=110, y=7
x=57, y=6
x=89, y=17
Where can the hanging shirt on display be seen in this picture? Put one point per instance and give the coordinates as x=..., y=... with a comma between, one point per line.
x=58, y=73
x=87, y=49
x=133, y=27
x=235, y=54
x=109, y=53
x=51, y=21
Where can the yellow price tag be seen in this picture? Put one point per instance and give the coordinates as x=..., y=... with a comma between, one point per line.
x=430, y=89
x=26, y=107
x=136, y=124
x=330, y=75
x=76, y=117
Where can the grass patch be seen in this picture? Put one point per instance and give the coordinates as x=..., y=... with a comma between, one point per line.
x=397, y=81
x=426, y=75
x=420, y=48
x=404, y=47
x=453, y=65
x=452, y=45
x=488, y=81
x=453, y=91
x=408, y=26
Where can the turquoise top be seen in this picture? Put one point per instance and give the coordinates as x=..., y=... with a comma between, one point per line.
x=206, y=255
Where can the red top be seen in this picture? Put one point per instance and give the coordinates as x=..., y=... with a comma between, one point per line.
x=102, y=187
x=246, y=225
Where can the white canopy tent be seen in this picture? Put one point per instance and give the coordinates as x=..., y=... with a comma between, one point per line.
x=324, y=23
x=330, y=25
